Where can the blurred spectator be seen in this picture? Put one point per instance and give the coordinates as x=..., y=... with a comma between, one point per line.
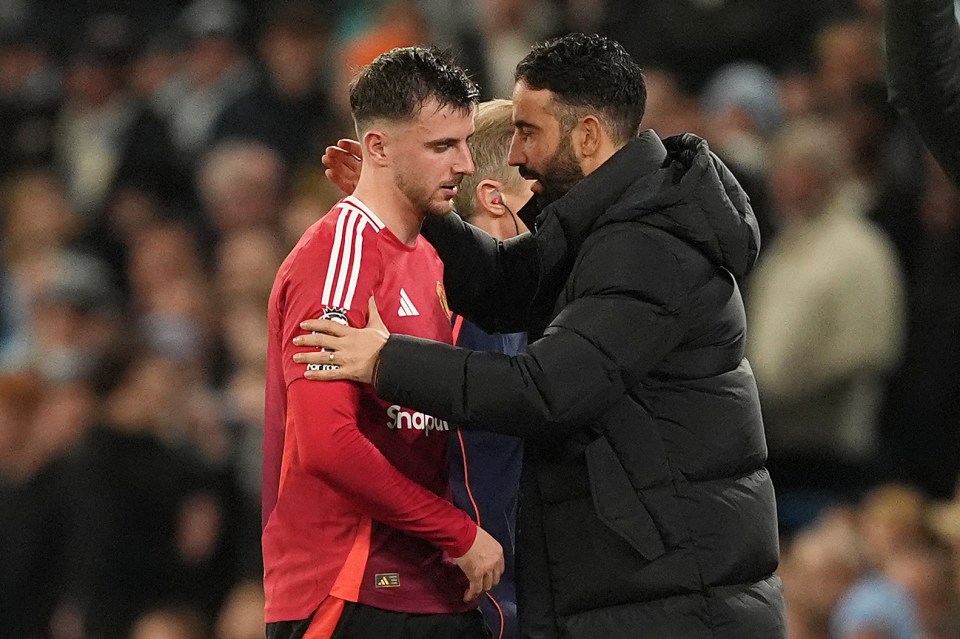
x=288, y=110
x=129, y=211
x=75, y=320
x=64, y=306
x=245, y=406
x=848, y=54
x=40, y=425
x=105, y=137
x=173, y=301
x=671, y=108
x=797, y=93
x=741, y=104
x=887, y=162
x=155, y=67
x=498, y=35
x=741, y=113
x=216, y=72
x=694, y=37
x=826, y=317
x=37, y=227
x=169, y=623
x=246, y=263
x=927, y=573
x=29, y=96
x=892, y=521
x=832, y=593
x=886, y=155
x=37, y=217
x=875, y=608
x=160, y=253
x=242, y=186
x=397, y=23
x=30, y=515
x=921, y=440
x=177, y=320
x=242, y=615
x=817, y=567
x=301, y=212
x=154, y=519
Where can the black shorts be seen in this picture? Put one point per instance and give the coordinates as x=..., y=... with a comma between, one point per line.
x=358, y=621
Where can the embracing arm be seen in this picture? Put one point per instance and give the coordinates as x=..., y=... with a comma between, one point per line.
x=592, y=352
x=923, y=73
x=488, y=281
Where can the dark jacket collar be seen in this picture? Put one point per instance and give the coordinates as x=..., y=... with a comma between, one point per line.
x=563, y=225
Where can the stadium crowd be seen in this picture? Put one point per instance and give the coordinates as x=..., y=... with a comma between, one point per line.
x=158, y=158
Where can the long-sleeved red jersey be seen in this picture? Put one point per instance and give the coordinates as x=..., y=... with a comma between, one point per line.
x=356, y=500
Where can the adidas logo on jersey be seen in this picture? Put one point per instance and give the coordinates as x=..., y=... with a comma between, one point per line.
x=387, y=580
x=407, y=309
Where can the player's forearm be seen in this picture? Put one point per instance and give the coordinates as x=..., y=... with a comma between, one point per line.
x=339, y=454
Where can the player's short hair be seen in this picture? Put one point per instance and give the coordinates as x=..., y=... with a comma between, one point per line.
x=490, y=146
x=397, y=84
x=589, y=74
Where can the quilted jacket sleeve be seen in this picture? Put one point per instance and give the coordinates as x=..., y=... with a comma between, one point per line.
x=623, y=319
x=488, y=281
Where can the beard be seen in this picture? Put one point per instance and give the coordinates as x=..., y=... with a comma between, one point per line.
x=561, y=173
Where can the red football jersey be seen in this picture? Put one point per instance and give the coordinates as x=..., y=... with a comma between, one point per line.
x=356, y=499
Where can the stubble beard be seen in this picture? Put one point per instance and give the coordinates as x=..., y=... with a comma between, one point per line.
x=421, y=197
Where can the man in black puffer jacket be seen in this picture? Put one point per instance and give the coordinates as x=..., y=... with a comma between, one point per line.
x=645, y=507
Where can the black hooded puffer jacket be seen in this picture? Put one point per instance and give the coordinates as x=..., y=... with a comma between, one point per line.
x=646, y=510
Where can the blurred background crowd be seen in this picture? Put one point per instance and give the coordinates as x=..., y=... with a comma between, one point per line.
x=158, y=158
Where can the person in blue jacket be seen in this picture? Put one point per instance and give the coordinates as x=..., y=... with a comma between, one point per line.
x=485, y=467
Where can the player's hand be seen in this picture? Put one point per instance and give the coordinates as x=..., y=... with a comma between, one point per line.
x=348, y=353
x=482, y=564
x=343, y=164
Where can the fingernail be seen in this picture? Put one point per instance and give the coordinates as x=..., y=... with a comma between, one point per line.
x=297, y=357
x=297, y=340
x=302, y=325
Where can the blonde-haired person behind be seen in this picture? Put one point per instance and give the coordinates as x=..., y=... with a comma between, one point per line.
x=485, y=467
x=490, y=198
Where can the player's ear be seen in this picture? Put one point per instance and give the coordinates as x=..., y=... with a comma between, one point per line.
x=374, y=146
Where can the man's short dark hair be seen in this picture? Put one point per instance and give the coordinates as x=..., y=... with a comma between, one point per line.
x=592, y=73
x=397, y=84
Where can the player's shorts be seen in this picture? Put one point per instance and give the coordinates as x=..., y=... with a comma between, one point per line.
x=339, y=619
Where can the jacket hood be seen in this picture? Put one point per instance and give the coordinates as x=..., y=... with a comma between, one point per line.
x=677, y=185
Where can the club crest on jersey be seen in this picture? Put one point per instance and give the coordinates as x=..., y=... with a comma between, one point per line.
x=338, y=315
x=442, y=295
